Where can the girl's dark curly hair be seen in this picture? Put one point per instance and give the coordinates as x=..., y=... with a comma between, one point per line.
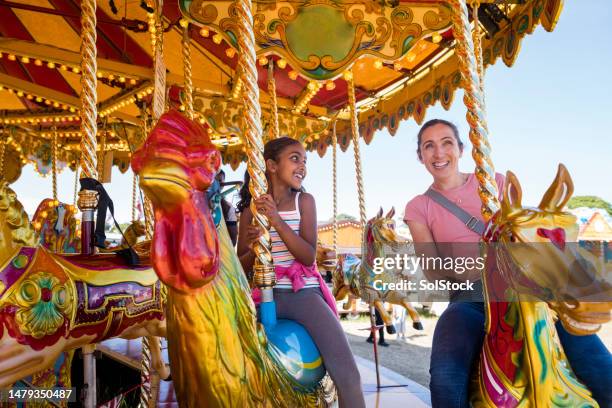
x=272, y=150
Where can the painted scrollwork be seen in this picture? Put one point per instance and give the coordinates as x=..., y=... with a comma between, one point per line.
x=44, y=305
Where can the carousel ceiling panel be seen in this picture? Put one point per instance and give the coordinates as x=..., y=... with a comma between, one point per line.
x=10, y=101
x=104, y=91
x=55, y=30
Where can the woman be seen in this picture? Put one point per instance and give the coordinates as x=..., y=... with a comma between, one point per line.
x=460, y=332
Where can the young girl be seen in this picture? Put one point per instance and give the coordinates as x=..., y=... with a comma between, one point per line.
x=293, y=233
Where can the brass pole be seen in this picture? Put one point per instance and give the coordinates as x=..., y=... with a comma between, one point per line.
x=274, y=131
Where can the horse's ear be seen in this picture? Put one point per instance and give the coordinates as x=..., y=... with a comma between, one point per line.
x=513, y=194
x=391, y=213
x=380, y=213
x=559, y=191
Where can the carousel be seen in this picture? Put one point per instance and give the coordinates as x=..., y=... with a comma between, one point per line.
x=173, y=89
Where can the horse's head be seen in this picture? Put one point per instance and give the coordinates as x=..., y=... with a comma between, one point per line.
x=382, y=230
x=326, y=258
x=176, y=165
x=538, y=254
x=15, y=227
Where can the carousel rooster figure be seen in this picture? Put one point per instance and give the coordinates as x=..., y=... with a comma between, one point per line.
x=219, y=355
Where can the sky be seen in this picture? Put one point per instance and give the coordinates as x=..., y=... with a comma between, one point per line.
x=553, y=106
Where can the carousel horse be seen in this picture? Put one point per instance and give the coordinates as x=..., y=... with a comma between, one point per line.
x=325, y=259
x=533, y=266
x=219, y=354
x=58, y=228
x=51, y=303
x=357, y=277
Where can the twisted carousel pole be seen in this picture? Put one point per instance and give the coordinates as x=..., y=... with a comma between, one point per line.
x=2, y=153
x=474, y=101
x=188, y=88
x=263, y=268
x=54, y=166
x=88, y=199
x=274, y=131
x=335, y=187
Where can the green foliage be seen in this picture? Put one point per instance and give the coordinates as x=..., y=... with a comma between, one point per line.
x=590, y=202
x=344, y=217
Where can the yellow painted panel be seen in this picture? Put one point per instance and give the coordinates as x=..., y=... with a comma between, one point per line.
x=10, y=101
x=55, y=30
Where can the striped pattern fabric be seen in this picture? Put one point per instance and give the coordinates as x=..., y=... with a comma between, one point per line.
x=280, y=254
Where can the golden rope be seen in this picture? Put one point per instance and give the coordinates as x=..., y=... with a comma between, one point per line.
x=274, y=131
x=187, y=70
x=89, y=95
x=348, y=76
x=335, y=187
x=54, y=163
x=481, y=152
x=264, y=271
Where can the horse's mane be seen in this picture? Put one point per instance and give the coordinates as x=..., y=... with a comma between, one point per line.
x=16, y=218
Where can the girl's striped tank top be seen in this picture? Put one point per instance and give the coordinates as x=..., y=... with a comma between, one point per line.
x=280, y=254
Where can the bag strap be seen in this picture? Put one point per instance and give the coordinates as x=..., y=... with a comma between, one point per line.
x=473, y=223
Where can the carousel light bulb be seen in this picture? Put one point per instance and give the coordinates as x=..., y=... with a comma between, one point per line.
x=72, y=110
x=63, y=67
x=378, y=64
x=293, y=75
x=348, y=75
x=37, y=225
x=263, y=61
x=25, y=60
x=56, y=104
x=99, y=74
x=184, y=23
x=44, y=214
x=76, y=70
x=311, y=86
x=217, y=38
x=132, y=81
x=11, y=57
x=410, y=57
x=282, y=63
x=29, y=97
x=38, y=62
x=50, y=65
x=122, y=80
x=397, y=66
x=20, y=93
x=330, y=85
x=230, y=52
x=38, y=99
x=436, y=38
x=204, y=32
x=111, y=77
x=55, y=203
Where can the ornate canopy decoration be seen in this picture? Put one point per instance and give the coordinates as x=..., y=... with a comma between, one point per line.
x=401, y=55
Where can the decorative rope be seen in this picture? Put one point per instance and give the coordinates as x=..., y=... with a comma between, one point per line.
x=274, y=131
x=54, y=163
x=264, y=272
x=89, y=95
x=481, y=152
x=187, y=70
x=348, y=76
x=335, y=186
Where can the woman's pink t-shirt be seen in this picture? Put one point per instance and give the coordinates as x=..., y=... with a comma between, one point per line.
x=444, y=226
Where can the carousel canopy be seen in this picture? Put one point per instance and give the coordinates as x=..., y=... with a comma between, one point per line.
x=401, y=56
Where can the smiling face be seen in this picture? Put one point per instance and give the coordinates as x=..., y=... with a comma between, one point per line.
x=440, y=151
x=289, y=166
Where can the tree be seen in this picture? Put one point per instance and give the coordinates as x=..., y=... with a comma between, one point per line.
x=590, y=202
x=344, y=217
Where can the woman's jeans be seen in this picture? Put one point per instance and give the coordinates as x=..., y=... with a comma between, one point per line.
x=457, y=343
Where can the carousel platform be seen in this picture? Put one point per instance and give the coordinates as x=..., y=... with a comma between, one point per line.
x=395, y=391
